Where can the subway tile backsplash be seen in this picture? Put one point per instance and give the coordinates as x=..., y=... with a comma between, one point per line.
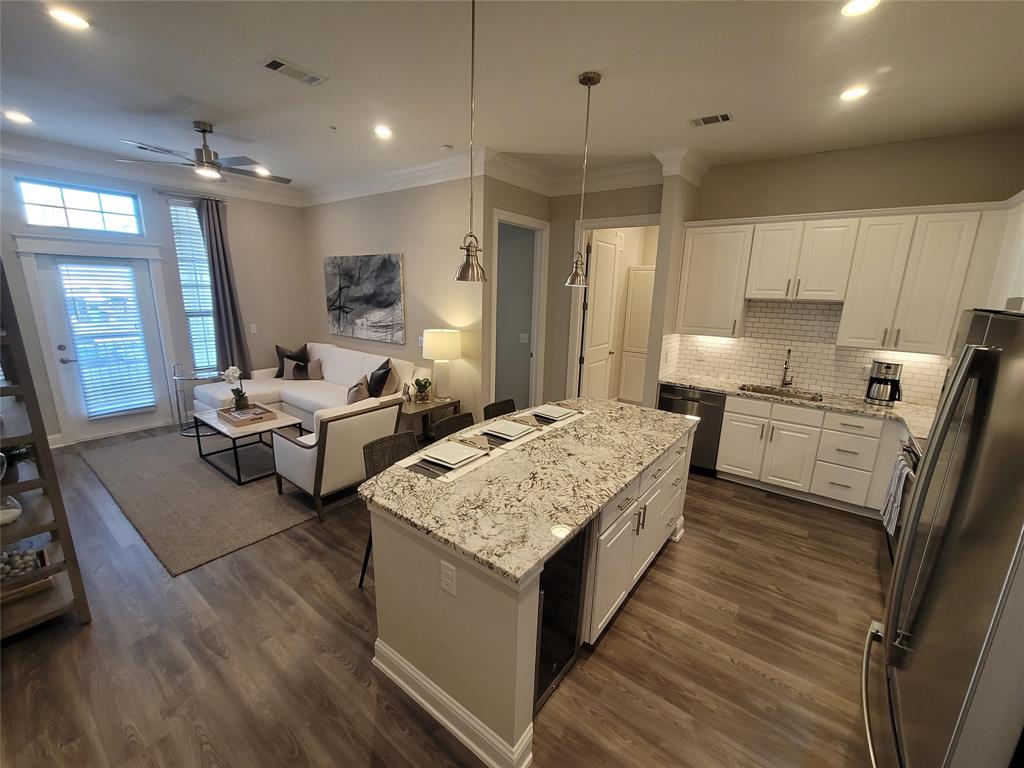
x=809, y=329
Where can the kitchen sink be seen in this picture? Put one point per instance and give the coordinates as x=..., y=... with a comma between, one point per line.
x=796, y=394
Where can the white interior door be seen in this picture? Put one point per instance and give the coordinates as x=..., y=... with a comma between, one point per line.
x=639, y=292
x=104, y=337
x=597, y=346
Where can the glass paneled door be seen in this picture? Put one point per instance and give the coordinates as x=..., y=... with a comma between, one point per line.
x=105, y=339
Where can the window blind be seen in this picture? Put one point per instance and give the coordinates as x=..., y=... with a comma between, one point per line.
x=194, y=271
x=109, y=340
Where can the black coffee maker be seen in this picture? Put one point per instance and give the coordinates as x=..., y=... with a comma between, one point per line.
x=884, y=383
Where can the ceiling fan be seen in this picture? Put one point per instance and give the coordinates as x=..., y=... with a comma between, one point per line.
x=206, y=162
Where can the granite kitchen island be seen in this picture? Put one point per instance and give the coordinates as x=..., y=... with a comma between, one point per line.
x=459, y=565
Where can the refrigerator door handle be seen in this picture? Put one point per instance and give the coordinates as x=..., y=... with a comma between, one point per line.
x=874, y=635
x=965, y=366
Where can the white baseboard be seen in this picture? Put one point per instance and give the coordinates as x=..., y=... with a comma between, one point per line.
x=55, y=441
x=493, y=750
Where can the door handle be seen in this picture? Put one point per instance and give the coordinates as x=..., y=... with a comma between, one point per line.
x=874, y=635
x=643, y=517
x=734, y=327
x=839, y=485
x=771, y=433
x=788, y=281
x=625, y=503
x=636, y=515
x=67, y=360
x=762, y=433
x=896, y=341
x=847, y=450
x=798, y=280
x=885, y=335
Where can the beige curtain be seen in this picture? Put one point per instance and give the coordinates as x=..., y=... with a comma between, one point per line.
x=232, y=348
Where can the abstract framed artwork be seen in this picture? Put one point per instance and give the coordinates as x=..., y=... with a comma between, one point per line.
x=366, y=297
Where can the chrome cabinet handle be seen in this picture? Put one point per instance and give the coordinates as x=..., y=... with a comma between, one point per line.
x=636, y=516
x=847, y=450
x=874, y=635
x=643, y=517
x=798, y=286
x=680, y=451
x=885, y=335
x=771, y=433
x=734, y=327
x=896, y=341
x=839, y=485
x=67, y=360
x=762, y=433
x=848, y=424
x=625, y=503
x=659, y=473
x=676, y=482
x=788, y=281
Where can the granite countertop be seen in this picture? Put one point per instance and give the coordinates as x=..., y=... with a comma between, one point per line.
x=918, y=418
x=501, y=514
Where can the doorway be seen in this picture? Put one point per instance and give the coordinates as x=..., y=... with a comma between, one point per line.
x=614, y=313
x=99, y=324
x=518, y=296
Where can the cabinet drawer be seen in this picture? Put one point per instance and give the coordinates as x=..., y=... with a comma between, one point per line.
x=840, y=483
x=617, y=506
x=794, y=414
x=748, y=407
x=854, y=451
x=855, y=425
x=661, y=465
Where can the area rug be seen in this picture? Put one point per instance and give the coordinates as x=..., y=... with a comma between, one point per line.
x=187, y=512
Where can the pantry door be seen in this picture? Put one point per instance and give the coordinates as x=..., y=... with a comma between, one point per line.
x=599, y=317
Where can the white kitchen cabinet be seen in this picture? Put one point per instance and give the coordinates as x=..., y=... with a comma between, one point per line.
x=741, y=445
x=826, y=252
x=773, y=260
x=651, y=534
x=790, y=455
x=713, y=280
x=879, y=261
x=939, y=255
x=612, y=575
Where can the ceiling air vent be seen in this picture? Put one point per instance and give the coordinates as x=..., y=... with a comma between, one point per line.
x=288, y=69
x=725, y=117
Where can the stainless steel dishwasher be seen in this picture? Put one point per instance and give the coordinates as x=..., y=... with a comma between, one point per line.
x=710, y=407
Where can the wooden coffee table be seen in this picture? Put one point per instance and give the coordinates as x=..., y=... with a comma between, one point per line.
x=237, y=436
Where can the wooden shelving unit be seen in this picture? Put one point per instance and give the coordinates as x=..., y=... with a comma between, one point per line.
x=43, y=520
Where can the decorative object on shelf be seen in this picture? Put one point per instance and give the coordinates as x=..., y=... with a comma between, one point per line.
x=366, y=297
x=10, y=510
x=422, y=391
x=578, y=276
x=13, y=456
x=442, y=345
x=234, y=376
x=19, y=562
x=471, y=271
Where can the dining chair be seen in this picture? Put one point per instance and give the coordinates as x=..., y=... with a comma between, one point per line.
x=452, y=424
x=378, y=455
x=499, y=408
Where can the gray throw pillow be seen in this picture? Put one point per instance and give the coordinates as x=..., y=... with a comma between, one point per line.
x=384, y=381
x=359, y=391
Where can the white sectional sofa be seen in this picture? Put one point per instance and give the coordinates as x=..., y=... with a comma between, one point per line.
x=302, y=399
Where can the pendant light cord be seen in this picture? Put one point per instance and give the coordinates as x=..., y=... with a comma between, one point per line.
x=583, y=185
x=472, y=105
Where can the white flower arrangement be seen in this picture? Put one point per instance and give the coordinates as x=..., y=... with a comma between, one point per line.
x=232, y=374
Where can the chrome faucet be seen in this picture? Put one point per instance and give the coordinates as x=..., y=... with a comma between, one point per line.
x=787, y=379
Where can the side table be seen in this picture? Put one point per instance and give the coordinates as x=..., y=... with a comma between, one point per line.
x=186, y=425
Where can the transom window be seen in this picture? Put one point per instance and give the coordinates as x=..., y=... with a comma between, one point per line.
x=56, y=205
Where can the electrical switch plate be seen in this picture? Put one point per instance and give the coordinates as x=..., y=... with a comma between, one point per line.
x=448, y=578
x=252, y=327
x=524, y=338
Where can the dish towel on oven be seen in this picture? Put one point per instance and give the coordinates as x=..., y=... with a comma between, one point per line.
x=891, y=508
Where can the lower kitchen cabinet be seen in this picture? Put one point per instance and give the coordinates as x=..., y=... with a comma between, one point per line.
x=612, y=578
x=790, y=455
x=650, y=534
x=741, y=445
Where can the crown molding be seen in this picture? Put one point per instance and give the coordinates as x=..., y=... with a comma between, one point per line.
x=512, y=171
x=643, y=173
x=683, y=161
x=52, y=154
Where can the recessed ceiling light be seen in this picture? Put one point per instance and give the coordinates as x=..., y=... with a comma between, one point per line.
x=261, y=171
x=17, y=117
x=68, y=18
x=859, y=7
x=854, y=93
x=383, y=132
x=207, y=171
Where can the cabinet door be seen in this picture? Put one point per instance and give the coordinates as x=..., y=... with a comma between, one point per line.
x=713, y=280
x=741, y=445
x=637, y=320
x=652, y=534
x=874, y=287
x=939, y=254
x=825, y=256
x=790, y=455
x=631, y=376
x=773, y=259
x=612, y=571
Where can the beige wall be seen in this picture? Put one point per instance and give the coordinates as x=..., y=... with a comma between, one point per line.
x=266, y=241
x=564, y=212
x=968, y=168
x=426, y=225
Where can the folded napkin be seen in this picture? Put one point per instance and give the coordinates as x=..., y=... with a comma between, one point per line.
x=527, y=418
x=476, y=441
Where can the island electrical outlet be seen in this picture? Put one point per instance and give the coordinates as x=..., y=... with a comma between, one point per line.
x=448, y=578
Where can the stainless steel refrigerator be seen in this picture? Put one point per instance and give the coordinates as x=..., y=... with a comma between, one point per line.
x=943, y=675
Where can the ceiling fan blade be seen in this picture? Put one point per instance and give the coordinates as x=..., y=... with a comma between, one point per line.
x=234, y=162
x=254, y=175
x=156, y=162
x=158, y=150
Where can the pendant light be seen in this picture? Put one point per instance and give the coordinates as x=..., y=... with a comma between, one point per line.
x=578, y=276
x=470, y=271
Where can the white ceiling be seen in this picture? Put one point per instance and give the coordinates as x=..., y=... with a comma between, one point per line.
x=145, y=70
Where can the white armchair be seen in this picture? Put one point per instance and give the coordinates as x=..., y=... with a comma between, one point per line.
x=331, y=457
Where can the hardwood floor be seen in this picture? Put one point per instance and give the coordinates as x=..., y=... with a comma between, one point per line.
x=740, y=648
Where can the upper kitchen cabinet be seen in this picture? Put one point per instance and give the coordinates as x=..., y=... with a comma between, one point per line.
x=939, y=255
x=773, y=260
x=825, y=255
x=713, y=280
x=879, y=261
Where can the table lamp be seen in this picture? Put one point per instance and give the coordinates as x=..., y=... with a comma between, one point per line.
x=442, y=345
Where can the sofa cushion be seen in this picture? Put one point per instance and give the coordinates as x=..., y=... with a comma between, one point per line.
x=218, y=395
x=296, y=371
x=318, y=350
x=313, y=395
x=359, y=391
x=343, y=366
